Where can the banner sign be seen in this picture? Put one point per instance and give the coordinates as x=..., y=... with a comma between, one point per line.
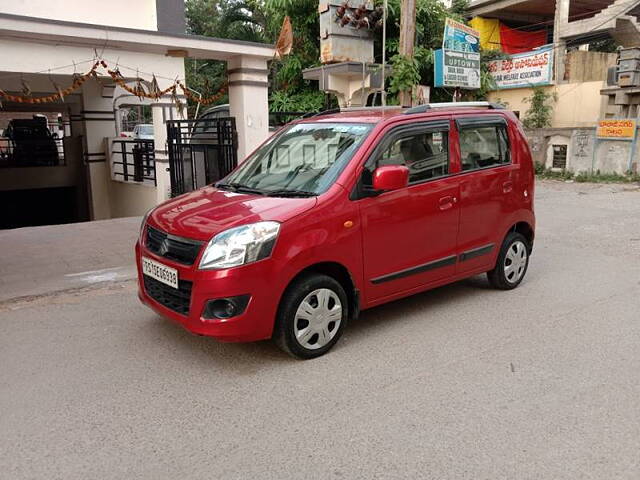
x=523, y=69
x=458, y=63
x=617, y=129
x=457, y=69
x=460, y=38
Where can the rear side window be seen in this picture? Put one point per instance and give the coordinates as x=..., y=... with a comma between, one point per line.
x=424, y=152
x=483, y=146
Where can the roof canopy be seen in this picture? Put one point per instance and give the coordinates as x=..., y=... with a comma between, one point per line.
x=29, y=29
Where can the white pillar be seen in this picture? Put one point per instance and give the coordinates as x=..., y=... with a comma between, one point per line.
x=248, y=101
x=560, y=23
x=161, y=112
x=99, y=124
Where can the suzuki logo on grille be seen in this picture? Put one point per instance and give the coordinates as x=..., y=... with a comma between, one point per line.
x=164, y=247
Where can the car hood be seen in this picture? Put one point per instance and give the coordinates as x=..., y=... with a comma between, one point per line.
x=203, y=213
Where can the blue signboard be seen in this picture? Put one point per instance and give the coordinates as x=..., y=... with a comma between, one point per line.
x=460, y=38
x=458, y=63
x=457, y=69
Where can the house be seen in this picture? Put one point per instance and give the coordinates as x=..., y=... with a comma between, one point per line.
x=561, y=30
x=95, y=54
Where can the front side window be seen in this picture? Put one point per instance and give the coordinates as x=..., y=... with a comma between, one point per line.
x=425, y=153
x=484, y=146
x=304, y=159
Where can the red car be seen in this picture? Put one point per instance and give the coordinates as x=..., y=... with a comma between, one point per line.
x=339, y=213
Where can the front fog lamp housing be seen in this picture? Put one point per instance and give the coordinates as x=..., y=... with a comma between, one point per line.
x=240, y=245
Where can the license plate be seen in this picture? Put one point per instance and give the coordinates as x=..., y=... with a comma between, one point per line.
x=162, y=273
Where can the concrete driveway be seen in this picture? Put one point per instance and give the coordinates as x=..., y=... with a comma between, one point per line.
x=461, y=382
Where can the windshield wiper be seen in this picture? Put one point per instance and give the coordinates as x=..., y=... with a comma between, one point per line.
x=238, y=187
x=290, y=193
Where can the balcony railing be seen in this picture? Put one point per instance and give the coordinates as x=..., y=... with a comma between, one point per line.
x=133, y=161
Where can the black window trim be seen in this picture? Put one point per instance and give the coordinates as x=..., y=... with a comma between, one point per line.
x=480, y=121
x=405, y=130
x=496, y=121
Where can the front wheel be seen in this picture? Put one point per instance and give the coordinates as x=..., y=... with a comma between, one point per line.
x=312, y=316
x=512, y=263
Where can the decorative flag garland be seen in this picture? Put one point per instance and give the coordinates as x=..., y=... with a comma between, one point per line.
x=152, y=92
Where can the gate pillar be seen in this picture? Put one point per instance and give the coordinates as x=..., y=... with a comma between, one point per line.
x=161, y=112
x=248, y=101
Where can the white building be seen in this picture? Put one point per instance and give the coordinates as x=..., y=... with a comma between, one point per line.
x=45, y=42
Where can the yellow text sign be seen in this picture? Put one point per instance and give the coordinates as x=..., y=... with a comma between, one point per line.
x=621, y=129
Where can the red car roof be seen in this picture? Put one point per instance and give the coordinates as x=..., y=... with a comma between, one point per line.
x=377, y=115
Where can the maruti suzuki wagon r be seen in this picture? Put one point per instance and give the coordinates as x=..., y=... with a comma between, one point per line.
x=339, y=213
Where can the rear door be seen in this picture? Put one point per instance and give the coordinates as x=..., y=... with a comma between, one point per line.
x=409, y=235
x=487, y=188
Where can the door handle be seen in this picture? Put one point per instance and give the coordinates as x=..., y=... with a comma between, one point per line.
x=445, y=203
x=507, y=186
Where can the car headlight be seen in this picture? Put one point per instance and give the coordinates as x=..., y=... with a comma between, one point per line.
x=240, y=245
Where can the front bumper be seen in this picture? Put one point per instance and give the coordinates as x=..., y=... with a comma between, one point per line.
x=259, y=280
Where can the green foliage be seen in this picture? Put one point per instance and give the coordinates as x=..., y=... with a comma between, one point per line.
x=430, y=19
x=598, y=177
x=290, y=92
x=550, y=174
x=460, y=7
x=538, y=168
x=585, y=177
x=541, y=111
x=405, y=73
x=306, y=101
x=234, y=19
x=261, y=20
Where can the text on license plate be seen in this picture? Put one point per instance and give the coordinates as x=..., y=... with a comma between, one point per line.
x=162, y=273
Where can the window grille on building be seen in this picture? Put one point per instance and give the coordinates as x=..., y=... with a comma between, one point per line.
x=560, y=156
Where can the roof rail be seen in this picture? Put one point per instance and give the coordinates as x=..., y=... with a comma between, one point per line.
x=372, y=107
x=331, y=111
x=324, y=112
x=430, y=106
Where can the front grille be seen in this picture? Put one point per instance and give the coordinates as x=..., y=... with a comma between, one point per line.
x=176, y=300
x=183, y=250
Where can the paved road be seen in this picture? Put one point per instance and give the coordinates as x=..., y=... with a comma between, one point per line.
x=39, y=260
x=459, y=383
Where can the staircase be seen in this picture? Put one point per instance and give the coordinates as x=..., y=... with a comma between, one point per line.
x=620, y=20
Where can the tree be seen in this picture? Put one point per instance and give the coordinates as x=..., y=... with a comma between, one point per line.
x=232, y=19
x=260, y=20
x=540, y=113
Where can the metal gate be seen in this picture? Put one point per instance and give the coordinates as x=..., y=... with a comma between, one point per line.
x=201, y=152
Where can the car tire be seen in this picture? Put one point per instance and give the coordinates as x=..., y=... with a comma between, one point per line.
x=312, y=316
x=512, y=263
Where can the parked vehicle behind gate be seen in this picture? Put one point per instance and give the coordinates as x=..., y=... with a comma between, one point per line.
x=31, y=143
x=342, y=212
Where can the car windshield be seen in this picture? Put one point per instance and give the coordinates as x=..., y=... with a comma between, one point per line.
x=305, y=159
x=145, y=129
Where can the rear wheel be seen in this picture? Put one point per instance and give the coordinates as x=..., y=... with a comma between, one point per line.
x=312, y=316
x=512, y=263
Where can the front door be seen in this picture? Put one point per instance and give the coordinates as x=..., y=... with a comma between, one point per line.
x=409, y=235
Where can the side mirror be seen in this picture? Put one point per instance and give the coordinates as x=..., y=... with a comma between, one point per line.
x=390, y=177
